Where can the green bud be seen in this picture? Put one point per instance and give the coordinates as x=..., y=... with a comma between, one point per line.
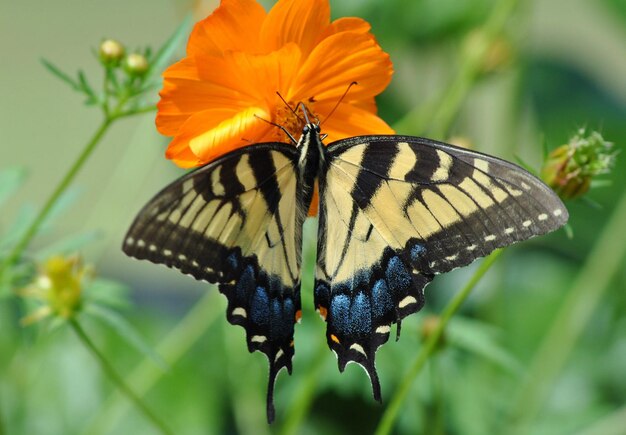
x=570, y=168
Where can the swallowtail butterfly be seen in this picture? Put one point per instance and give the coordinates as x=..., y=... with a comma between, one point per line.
x=394, y=211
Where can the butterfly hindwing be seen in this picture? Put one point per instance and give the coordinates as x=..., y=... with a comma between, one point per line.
x=395, y=211
x=236, y=222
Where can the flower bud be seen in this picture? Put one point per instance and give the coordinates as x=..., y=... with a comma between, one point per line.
x=57, y=288
x=136, y=64
x=111, y=52
x=570, y=168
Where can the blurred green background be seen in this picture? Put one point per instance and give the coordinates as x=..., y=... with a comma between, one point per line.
x=562, y=66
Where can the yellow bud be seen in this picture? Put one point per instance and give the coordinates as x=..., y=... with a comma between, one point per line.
x=111, y=52
x=136, y=64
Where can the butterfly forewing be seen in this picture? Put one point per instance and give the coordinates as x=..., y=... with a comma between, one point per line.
x=235, y=222
x=394, y=212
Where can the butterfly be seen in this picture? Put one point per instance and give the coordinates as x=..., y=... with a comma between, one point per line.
x=394, y=211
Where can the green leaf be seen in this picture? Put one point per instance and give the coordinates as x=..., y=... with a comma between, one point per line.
x=84, y=85
x=11, y=179
x=23, y=219
x=26, y=215
x=67, y=246
x=61, y=75
x=481, y=339
x=108, y=292
x=165, y=53
x=125, y=330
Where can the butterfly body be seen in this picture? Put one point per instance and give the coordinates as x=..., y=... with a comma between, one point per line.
x=394, y=211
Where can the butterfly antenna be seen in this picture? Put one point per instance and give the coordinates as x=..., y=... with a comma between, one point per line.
x=304, y=112
x=291, y=138
x=339, y=101
x=289, y=106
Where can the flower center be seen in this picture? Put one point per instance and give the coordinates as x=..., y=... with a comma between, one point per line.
x=290, y=121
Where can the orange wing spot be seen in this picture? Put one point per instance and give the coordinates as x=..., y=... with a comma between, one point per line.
x=334, y=338
x=323, y=311
x=291, y=344
x=298, y=315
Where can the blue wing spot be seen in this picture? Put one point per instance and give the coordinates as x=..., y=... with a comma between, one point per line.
x=381, y=299
x=245, y=284
x=398, y=278
x=282, y=318
x=260, y=307
x=360, y=314
x=340, y=313
x=417, y=251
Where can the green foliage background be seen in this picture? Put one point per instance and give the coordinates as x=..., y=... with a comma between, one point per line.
x=567, y=69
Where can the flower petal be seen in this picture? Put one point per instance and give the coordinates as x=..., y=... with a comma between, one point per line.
x=234, y=25
x=347, y=24
x=299, y=21
x=340, y=60
x=211, y=133
x=349, y=120
x=197, y=84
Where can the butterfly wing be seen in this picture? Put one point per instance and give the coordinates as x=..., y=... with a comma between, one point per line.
x=395, y=211
x=235, y=222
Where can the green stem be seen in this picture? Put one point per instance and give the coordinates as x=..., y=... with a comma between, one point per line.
x=306, y=392
x=117, y=379
x=146, y=374
x=391, y=413
x=438, y=120
x=592, y=281
x=34, y=227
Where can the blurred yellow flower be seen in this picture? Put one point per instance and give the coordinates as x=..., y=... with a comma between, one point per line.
x=57, y=288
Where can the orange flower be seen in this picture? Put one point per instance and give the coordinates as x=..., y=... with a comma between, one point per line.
x=217, y=98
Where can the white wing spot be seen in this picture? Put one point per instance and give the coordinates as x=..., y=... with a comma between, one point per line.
x=509, y=230
x=385, y=329
x=542, y=217
x=471, y=247
x=278, y=355
x=241, y=312
x=432, y=264
x=130, y=241
x=452, y=257
x=490, y=237
x=182, y=257
x=407, y=301
x=358, y=348
x=152, y=248
x=558, y=212
x=194, y=263
x=258, y=338
x=527, y=223
x=167, y=252
x=525, y=186
x=141, y=243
